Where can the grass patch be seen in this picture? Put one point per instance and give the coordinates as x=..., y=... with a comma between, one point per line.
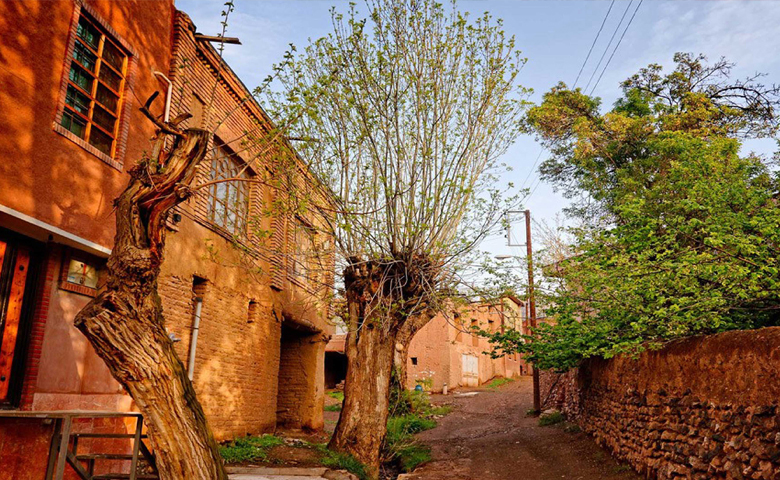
x=499, y=382
x=337, y=395
x=333, y=408
x=572, y=428
x=551, y=419
x=247, y=449
x=441, y=410
x=400, y=444
x=343, y=461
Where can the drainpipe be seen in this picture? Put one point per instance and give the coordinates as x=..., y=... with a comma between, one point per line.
x=194, y=338
x=161, y=75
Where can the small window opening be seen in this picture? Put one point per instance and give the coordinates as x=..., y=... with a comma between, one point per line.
x=252, y=312
x=414, y=360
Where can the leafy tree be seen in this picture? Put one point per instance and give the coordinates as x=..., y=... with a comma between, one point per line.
x=681, y=234
x=401, y=116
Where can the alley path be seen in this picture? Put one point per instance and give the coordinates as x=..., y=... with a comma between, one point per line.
x=489, y=437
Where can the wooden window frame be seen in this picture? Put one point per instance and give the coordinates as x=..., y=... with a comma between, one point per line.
x=119, y=134
x=215, y=200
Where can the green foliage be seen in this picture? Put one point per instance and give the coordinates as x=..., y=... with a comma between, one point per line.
x=498, y=382
x=679, y=232
x=411, y=412
x=248, y=448
x=333, y=408
x=406, y=402
x=553, y=418
x=336, y=395
x=343, y=461
x=441, y=410
x=400, y=444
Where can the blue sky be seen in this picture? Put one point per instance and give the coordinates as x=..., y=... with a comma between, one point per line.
x=554, y=35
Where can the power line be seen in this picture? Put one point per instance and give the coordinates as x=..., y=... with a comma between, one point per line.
x=522, y=186
x=609, y=44
x=593, y=44
x=616, y=46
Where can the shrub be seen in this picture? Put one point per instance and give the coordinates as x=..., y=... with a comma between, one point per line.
x=333, y=408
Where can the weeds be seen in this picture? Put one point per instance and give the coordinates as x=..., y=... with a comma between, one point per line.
x=337, y=395
x=551, y=419
x=343, y=461
x=499, y=382
x=246, y=449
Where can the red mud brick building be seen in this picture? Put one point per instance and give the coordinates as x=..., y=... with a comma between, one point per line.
x=444, y=350
x=70, y=89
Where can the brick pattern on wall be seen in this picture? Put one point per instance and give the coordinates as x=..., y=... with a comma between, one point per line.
x=237, y=357
x=701, y=408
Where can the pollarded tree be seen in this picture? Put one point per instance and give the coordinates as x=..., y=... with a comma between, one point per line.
x=403, y=116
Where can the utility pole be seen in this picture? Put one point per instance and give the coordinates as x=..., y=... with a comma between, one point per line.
x=532, y=305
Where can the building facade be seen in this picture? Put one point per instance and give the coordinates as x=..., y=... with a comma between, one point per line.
x=71, y=88
x=447, y=351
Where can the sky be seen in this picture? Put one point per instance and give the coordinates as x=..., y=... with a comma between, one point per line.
x=555, y=36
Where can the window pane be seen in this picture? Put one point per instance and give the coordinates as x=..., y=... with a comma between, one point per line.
x=110, y=78
x=100, y=140
x=73, y=123
x=106, y=97
x=77, y=100
x=113, y=56
x=81, y=78
x=88, y=33
x=103, y=118
x=84, y=56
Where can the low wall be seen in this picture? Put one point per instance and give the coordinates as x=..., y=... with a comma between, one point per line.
x=700, y=408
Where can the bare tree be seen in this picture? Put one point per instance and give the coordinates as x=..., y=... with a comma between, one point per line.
x=414, y=105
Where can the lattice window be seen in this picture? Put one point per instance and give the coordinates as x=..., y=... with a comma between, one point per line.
x=96, y=79
x=228, y=205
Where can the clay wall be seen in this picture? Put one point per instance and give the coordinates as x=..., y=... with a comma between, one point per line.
x=439, y=348
x=701, y=408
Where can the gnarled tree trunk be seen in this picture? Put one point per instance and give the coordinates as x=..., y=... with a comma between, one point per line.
x=379, y=296
x=125, y=324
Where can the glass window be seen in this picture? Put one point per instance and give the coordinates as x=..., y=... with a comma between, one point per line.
x=95, y=82
x=229, y=199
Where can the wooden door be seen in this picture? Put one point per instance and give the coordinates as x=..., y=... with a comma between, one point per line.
x=15, y=278
x=470, y=370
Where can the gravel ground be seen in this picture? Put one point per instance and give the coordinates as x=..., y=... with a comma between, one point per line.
x=489, y=436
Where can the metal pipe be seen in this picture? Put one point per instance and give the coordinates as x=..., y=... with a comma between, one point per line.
x=168, y=94
x=194, y=338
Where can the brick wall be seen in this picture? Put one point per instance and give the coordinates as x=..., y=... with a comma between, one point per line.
x=237, y=363
x=700, y=408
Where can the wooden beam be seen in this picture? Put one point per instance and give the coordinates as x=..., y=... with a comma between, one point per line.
x=12, y=317
x=217, y=38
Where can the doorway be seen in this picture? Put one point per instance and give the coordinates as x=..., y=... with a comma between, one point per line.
x=18, y=261
x=299, y=382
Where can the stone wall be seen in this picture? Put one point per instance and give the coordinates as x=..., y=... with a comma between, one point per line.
x=700, y=408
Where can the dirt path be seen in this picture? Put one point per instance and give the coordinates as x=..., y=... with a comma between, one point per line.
x=488, y=436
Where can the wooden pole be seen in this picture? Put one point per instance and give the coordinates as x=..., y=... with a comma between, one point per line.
x=532, y=305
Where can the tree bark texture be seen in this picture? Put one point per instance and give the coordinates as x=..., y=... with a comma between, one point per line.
x=125, y=324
